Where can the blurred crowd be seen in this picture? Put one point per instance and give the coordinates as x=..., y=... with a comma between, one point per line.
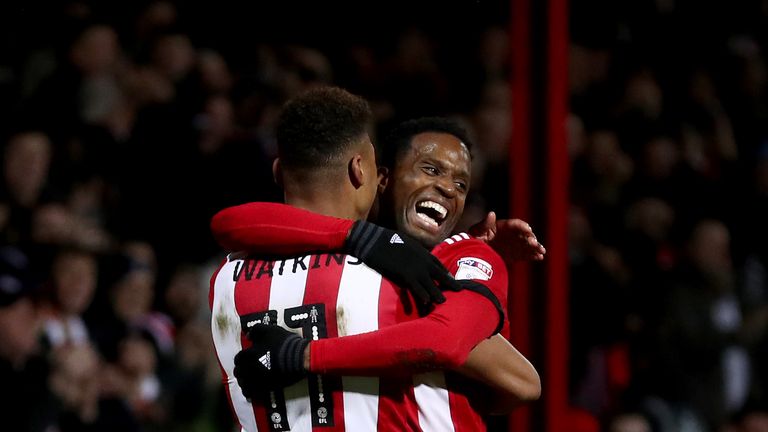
x=128, y=124
x=669, y=150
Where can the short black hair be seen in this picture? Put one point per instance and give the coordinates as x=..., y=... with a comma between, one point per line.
x=317, y=127
x=398, y=141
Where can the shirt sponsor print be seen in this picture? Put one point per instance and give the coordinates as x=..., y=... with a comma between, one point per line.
x=473, y=268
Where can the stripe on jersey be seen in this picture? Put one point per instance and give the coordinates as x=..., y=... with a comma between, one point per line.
x=434, y=405
x=287, y=291
x=226, y=330
x=456, y=238
x=357, y=311
x=318, y=292
x=398, y=409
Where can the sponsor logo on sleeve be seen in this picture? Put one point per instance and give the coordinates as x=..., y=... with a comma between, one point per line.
x=473, y=268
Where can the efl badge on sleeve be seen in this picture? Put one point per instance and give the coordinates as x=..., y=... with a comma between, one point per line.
x=473, y=268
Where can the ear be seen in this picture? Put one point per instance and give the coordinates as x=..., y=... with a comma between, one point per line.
x=356, y=171
x=383, y=173
x=277, y=172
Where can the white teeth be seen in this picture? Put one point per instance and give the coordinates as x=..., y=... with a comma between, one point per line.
x=435, y=206
x=426, y=219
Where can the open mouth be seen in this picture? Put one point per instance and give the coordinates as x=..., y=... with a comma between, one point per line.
x=431, y=213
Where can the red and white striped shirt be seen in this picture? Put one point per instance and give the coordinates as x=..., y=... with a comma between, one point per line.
x=320, y=296
x=334, y=295
x=352, y=300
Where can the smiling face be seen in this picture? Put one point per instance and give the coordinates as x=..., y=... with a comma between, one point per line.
x=429, y=185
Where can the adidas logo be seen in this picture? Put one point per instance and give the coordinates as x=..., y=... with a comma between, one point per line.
x=396, y=239
x=265, y=360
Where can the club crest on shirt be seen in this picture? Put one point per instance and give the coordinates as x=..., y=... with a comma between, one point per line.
x=473, y=268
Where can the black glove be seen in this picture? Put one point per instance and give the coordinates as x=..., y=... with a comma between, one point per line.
x=402, y=260
x=275, y=360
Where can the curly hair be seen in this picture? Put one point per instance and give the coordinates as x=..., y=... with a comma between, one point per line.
x=399, y=138
x=316, y=128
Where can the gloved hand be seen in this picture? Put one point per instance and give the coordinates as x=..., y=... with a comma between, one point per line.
x=275, y=360
x=402, y=260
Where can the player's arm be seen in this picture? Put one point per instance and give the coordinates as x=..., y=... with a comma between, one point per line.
x=494, y=363
x=275, y=228
x=510, y=378
x=282, y=229
x=441, y=340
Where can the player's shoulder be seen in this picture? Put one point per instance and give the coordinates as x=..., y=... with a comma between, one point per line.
x=469, y=257
x=465, y=245
x=461, y=242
